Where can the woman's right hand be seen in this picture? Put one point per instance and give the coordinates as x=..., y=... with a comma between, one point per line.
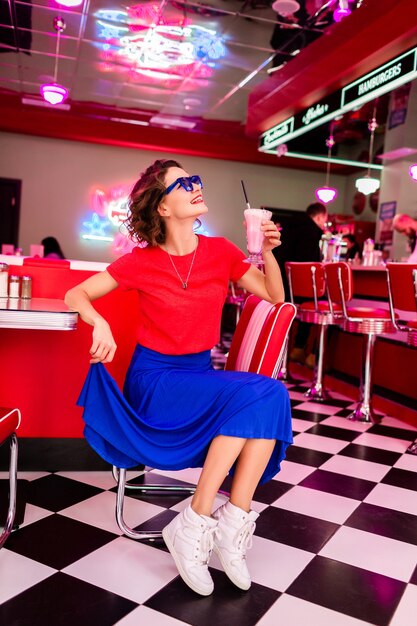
x=104, y=346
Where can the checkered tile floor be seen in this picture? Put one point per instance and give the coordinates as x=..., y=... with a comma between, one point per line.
x=335, y=545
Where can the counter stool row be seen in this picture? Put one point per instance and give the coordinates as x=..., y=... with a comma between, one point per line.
x=326, y=291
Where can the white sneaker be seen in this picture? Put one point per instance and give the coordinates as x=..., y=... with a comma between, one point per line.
x=189, y=538
x=233, y=539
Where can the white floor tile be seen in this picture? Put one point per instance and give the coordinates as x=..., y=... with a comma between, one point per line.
x=99, y=511
x=339, y=396
x=18, y=573
x=102, y=480
x=317, y=504
x=125, y=567
x=299, y=426
x=342, y=422
x=406, y=610
x=407, y=462
x=380, y=441
x=25, y=475
x=392, y=497
x=190, y=475
x=291, y=611
x=34, y=514
x=273, y=564
x=322, y=444
x=144, y=616
x=356, y=468
x=375, y=553
x=316, y=407
x=297, y=395
x=397, y=423
x=293, y=473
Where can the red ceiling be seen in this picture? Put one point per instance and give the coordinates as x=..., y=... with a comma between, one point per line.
x=375, y=33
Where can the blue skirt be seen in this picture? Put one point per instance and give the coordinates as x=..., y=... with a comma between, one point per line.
x=173, y=407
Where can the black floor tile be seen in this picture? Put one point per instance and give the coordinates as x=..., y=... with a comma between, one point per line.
x=56, y=492
x=335, y=432
x=367, y=453
x=62, y=600
x=58, y=541
x=308, y=415
x=157, y=523
x=344, y=412
x=401, y=478
x=340, y=403
x=294, y=529
x=390, y=431
x=314, y=458
x=267, y=493
x=21, y=499
x=227, y=605
x=382, y=521
x=413, y=578
x=331, y=482
x=356, y=592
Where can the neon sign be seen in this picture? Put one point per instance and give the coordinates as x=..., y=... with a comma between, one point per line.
x=155, y=47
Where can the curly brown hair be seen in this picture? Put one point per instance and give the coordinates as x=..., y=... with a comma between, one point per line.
x=144, y=223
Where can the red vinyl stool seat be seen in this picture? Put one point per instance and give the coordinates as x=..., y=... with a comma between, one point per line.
x=258, y=347
x=9, y=423
x=368, y=321
x=307, y=280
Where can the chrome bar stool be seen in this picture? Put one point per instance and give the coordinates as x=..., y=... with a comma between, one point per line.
x=367, y=321
x=257, y=346
x=307, y=280
x=402, y=296
x=9, y=423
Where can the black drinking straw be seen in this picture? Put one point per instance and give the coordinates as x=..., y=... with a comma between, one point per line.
x=245, y=194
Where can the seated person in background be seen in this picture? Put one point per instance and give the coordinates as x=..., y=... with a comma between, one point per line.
x=52, y=249
x=406, y=225
x=353, y=248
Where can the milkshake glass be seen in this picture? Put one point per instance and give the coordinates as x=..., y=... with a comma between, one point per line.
x=254, y=234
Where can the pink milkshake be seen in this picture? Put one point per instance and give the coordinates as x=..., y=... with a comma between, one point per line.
x=254, y=234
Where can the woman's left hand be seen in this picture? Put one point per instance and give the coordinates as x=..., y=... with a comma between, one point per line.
x=272, y=235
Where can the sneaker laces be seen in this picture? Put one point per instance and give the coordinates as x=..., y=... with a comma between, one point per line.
x=205, y=544
x=243, y=538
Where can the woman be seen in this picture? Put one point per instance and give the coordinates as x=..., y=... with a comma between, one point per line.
x=185, y=413
x=51, y=248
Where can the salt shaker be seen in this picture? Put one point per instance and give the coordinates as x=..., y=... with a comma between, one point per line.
x=4, y=279
x=14, y=286
x=26, y=287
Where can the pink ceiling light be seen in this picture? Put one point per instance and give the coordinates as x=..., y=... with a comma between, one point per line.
x=366, y=184
x=69, y=3
x=413, y=171
x=327, y=194
x=53, y=93
x=341, y=11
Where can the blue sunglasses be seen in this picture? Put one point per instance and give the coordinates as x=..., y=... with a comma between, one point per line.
x=186, y=182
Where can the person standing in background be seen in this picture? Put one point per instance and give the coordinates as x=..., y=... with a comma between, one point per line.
x=407, y=226
x=52, y=249
x=301, y=243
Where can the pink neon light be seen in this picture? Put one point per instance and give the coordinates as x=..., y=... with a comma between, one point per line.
x=53, y=93
x=326, y=194
x=339, y=14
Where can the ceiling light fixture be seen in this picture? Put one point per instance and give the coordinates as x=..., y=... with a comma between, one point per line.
x=341, y=11
x=413, y=171
x=286, y=7
x=367, y=184
x=69, y=3
x=53, y=92
x=327, y=194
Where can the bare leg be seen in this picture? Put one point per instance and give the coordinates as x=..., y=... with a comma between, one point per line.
x=222, y=453
x=250, y=466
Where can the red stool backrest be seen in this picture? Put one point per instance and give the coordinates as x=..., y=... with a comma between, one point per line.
x=259, y=340
x=339, y=282
x=9, y=422
x=402, y=285
x=306, y=280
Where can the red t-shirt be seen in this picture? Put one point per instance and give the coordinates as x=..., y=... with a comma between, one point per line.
x=173, y=320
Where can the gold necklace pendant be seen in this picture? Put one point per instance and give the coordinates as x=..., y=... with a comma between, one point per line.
x=184, y=283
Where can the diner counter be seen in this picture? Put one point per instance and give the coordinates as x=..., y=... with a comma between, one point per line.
x=370, y=282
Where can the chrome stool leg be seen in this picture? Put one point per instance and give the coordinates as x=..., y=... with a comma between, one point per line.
x=412, y=448
x=284, y=373
x=12, y=490
x=363, y=411
x=317, y=391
